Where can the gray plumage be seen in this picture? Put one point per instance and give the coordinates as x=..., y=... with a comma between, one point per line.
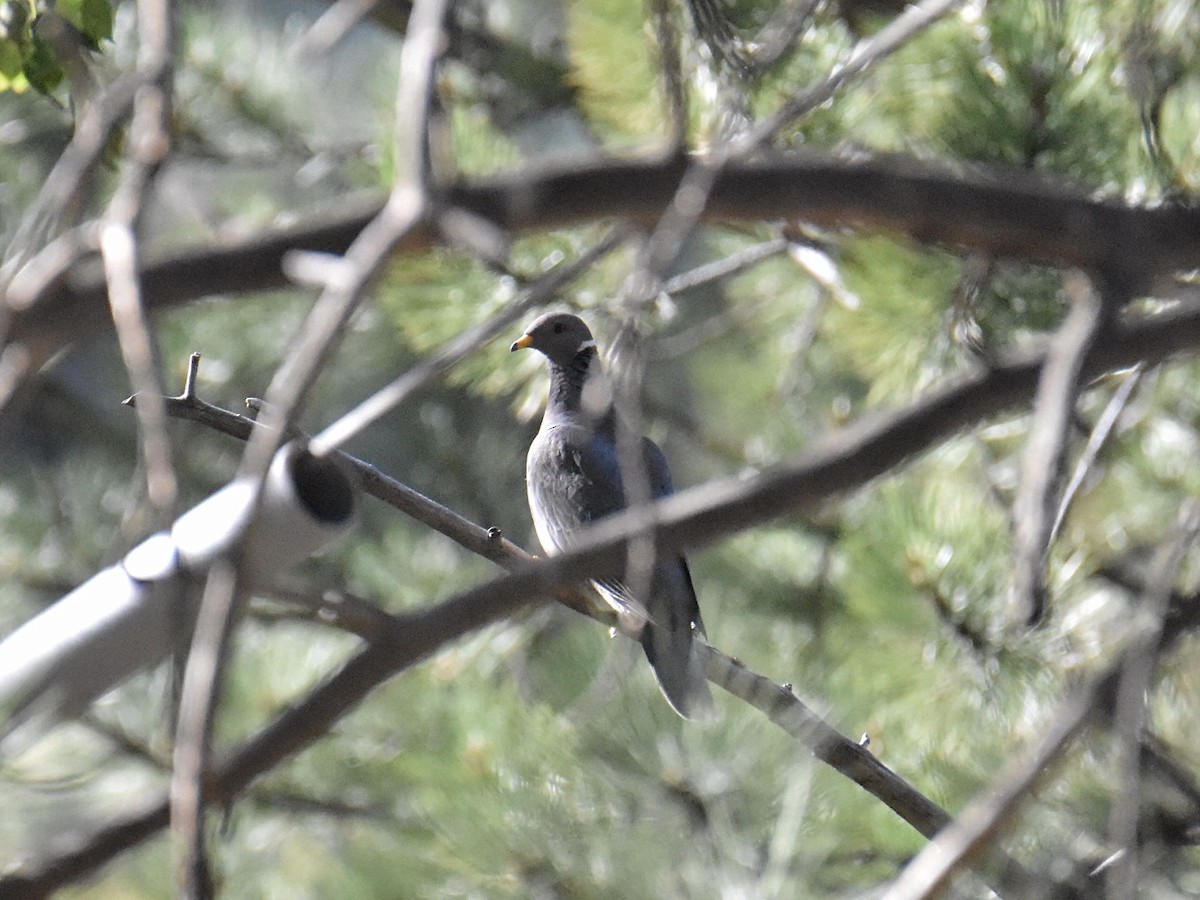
x=573, y=479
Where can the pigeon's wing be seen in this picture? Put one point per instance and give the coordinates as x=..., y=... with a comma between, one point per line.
x=657, y=470
x=672, y=609
x=574, y=479
x=673, y=572
x=674, y=612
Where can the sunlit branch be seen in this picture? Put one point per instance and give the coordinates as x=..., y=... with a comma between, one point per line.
x=67, y=185
x=976, y=827
x=1004, y=213
x=120, y=247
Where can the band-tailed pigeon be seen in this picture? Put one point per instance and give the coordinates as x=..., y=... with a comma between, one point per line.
x=573, y=478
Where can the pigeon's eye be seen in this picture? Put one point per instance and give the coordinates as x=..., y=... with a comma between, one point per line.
x=558, y=327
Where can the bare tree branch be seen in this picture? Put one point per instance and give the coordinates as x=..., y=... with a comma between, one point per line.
x=667, y=36
x=119, y=247
x=722, y=268
x=1042, y=461
x=998, y=211
x=332, y=26
x=976, y=826
x=1136, y=674
x=1096, y=440
x=63, y=194
x=863, y=57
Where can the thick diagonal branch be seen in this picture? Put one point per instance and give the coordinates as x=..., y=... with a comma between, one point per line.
x=1002, y=213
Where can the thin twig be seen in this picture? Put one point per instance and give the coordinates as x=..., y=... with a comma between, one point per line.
x=865, y=55
x=332, y=26
x=781, y=705
x=68, y=182
x=1042, y=460
x=696, y=186
x=406, y=205
x=197, y=710
x=732, y=264
x=1137, y=671
x=148, y=146
x=118, y=246
x=667, y=35
x=974, y=831
x=1096, y=440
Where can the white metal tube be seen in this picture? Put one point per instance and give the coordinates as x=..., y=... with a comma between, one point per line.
x=130, y=616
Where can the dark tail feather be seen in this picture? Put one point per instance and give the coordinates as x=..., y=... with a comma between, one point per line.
x=676, y=663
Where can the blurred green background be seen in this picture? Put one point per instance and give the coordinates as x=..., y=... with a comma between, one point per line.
x=536, y=759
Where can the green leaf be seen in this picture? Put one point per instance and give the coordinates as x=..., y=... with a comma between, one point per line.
x=92, y=17
x=11, y=62
x=42, y=67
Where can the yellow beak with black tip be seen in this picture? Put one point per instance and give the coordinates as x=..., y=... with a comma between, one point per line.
x=525, y=340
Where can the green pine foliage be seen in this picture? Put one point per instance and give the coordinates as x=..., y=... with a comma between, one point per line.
x=613, y=69
x=536, y=757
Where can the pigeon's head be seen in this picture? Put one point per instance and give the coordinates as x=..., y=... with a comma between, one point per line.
x=559, y=336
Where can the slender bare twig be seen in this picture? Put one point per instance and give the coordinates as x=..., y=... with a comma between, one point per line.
x=189, y=405
x=332, y=26
x=28, y=272
x=118, y=246
x=866, y=54
x=780, y=32
x=197, y=710
x=148, y=146
x=1042, y=461
x=697, y=184
x=407, y=204
x=1096, y=440
x=667, y=35
x=723, y=268
x=1137, y=671
x=973, y=829
x=68, y=182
